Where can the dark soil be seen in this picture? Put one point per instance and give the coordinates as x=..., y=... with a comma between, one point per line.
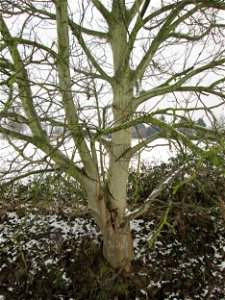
x=47, y=254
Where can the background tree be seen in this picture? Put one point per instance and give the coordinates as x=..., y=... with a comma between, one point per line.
x=201, y=122
x=219, y=123
x=88, y=67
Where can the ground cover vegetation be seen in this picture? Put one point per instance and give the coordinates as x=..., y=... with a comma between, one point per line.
x=51, y=249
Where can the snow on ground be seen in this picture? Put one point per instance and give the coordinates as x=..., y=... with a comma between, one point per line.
x=156, y=152
x=39, y=240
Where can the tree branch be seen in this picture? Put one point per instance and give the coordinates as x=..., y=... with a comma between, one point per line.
x=79, y=37
x=19, y=40
x=179, y=35
x=144, y=143
x=134, y=10
x=188, y=73
x=162, y=35
x=61, y=161
x=154, y=194
x=102, y=9
x=66, y=90
x=16, y=178
x=140, y=22
x=99, y=34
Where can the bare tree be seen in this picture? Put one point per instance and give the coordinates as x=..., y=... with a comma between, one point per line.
x=96, y=69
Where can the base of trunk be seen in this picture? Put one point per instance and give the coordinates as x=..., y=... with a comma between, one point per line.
x=118, y=247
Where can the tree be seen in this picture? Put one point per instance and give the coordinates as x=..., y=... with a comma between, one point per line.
x=162, y=118
x=219, y=123
x=84, y=74
x=186, y=130
x=201, y=122
x=13, y=123
x=139, y=131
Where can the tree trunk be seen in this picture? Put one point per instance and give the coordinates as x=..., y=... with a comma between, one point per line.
x=117, y=240
x=118, y=246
